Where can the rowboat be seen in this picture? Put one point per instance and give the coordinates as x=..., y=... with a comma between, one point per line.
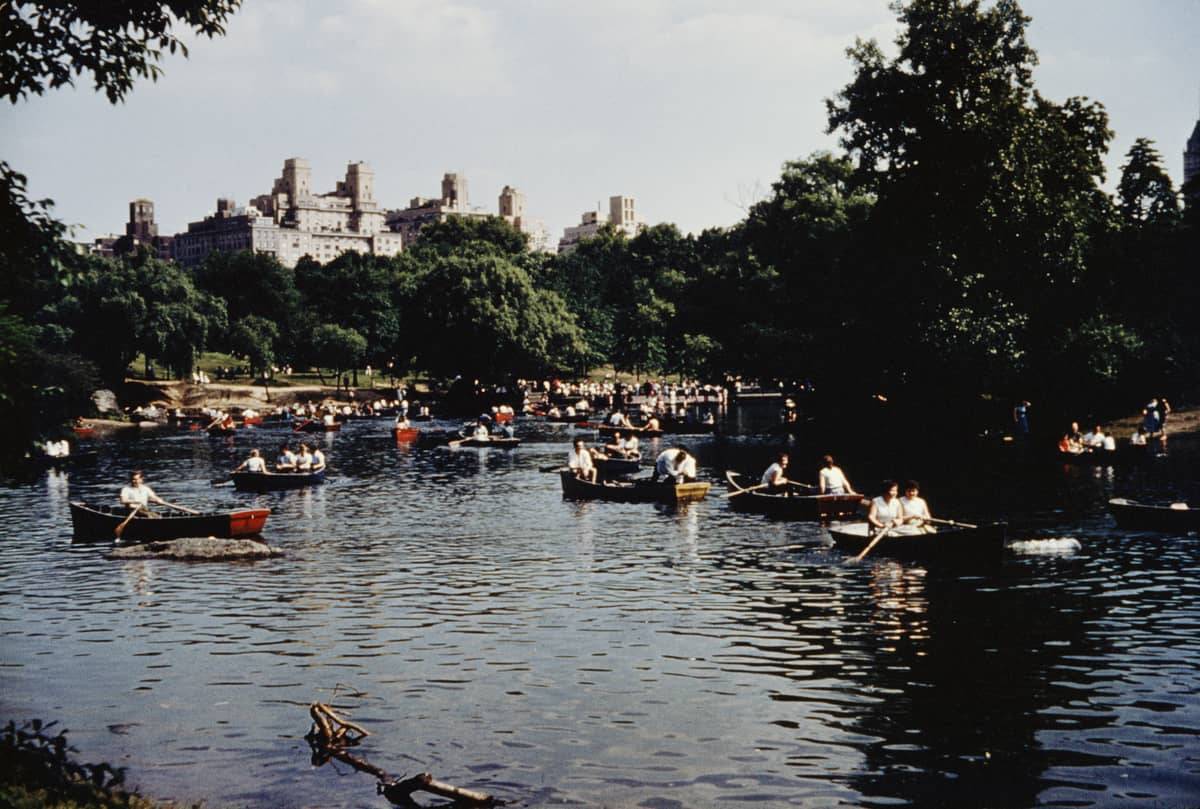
x=1174, y=518
x=405, y=434
x=100, y=523
x=84, y=432
x=313, y=426
x=615, y=467
x=493, y=442
x=221, y=429
x=637, y=491
x=790, y=505
x=608, y=430
x=948, y=544
x=275, y=481
x=252, y=421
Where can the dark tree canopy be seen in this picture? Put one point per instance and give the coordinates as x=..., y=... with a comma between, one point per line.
x=45, y=45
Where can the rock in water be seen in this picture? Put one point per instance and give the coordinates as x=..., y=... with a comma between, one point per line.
x=198, y=549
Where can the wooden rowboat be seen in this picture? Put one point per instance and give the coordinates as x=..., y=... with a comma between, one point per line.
x=794, y=505
x=100, y=523
x=638, y=491
x=84, y=432
x=275, y=481
x=949, y=544
x=1142, y=516
x=313, y=426
x=615, y=467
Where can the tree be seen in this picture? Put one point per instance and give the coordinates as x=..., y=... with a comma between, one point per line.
x=255, y=284
x=47, y=44
x=480, y=316
x=988, y=195
x=356, y=291
x=1145, y=193
x=336, y=348
x=254, y=338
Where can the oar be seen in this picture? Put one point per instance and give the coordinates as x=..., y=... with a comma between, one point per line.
x=221, y=481
x=558, y=468
x=180, y=508
x=455, y=443
x=120, y=529
x=950, y=522
x=873, y=543
x=748, y=489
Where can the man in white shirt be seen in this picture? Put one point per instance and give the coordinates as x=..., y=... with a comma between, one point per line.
x=775, y=478
x=675, y=464
x=580, y=461
x=138, y=495
x=832, y=480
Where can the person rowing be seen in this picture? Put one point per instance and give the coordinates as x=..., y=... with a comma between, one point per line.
x=630, y=448
x=885, y=509
x=619, y=419
x=137, y=496
x=831, y=479
x=254, y=463
x=580, y=462
x=913, y=508
x=616, y=447
x=481, y=432
x=775, y=478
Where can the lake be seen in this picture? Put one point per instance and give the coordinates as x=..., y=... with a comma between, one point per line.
x=597, y=654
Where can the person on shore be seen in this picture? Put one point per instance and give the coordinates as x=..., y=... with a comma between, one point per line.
x=775, y=478
x=254, y=463
x=913, y=508
x=318, y=460
x=138, y=495
x=286, y=462
x=831, y=479
x=885, y=509
x=1021, y=418
x=579, y=461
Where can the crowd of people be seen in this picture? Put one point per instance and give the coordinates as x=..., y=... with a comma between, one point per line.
x=1153, y=427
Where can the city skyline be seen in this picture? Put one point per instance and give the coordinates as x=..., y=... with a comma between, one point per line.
x=690, y=108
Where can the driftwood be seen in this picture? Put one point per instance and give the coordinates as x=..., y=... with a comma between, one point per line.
x=331, y=733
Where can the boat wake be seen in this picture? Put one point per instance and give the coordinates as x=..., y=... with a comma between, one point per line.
x=1049, y=546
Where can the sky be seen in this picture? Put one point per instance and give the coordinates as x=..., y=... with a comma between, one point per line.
x=689, y=106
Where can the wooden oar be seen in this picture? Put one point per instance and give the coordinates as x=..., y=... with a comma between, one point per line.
x=180, y=508
x=873, y=543
x=950, y=522
x=747, y=489
x=120, y=529
x=558, y=468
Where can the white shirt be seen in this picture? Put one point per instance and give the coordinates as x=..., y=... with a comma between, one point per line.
x=914, y=507
x=832, y=480
x=886, y=512
x=616, y=419
x=318, y=459
x=687, y=467
x=773, y=473
x=481, y=433
x=664, y=464
x=304, y=461
x=256, y=464
x=630, y=445
x=137, y=495
x=1138, y=439
x=580, y=461
x=1110, y=443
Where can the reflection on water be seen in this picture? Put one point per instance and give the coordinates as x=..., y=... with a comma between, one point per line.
x=595, y=654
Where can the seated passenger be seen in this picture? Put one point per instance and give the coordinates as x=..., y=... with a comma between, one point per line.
x=579, y=461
